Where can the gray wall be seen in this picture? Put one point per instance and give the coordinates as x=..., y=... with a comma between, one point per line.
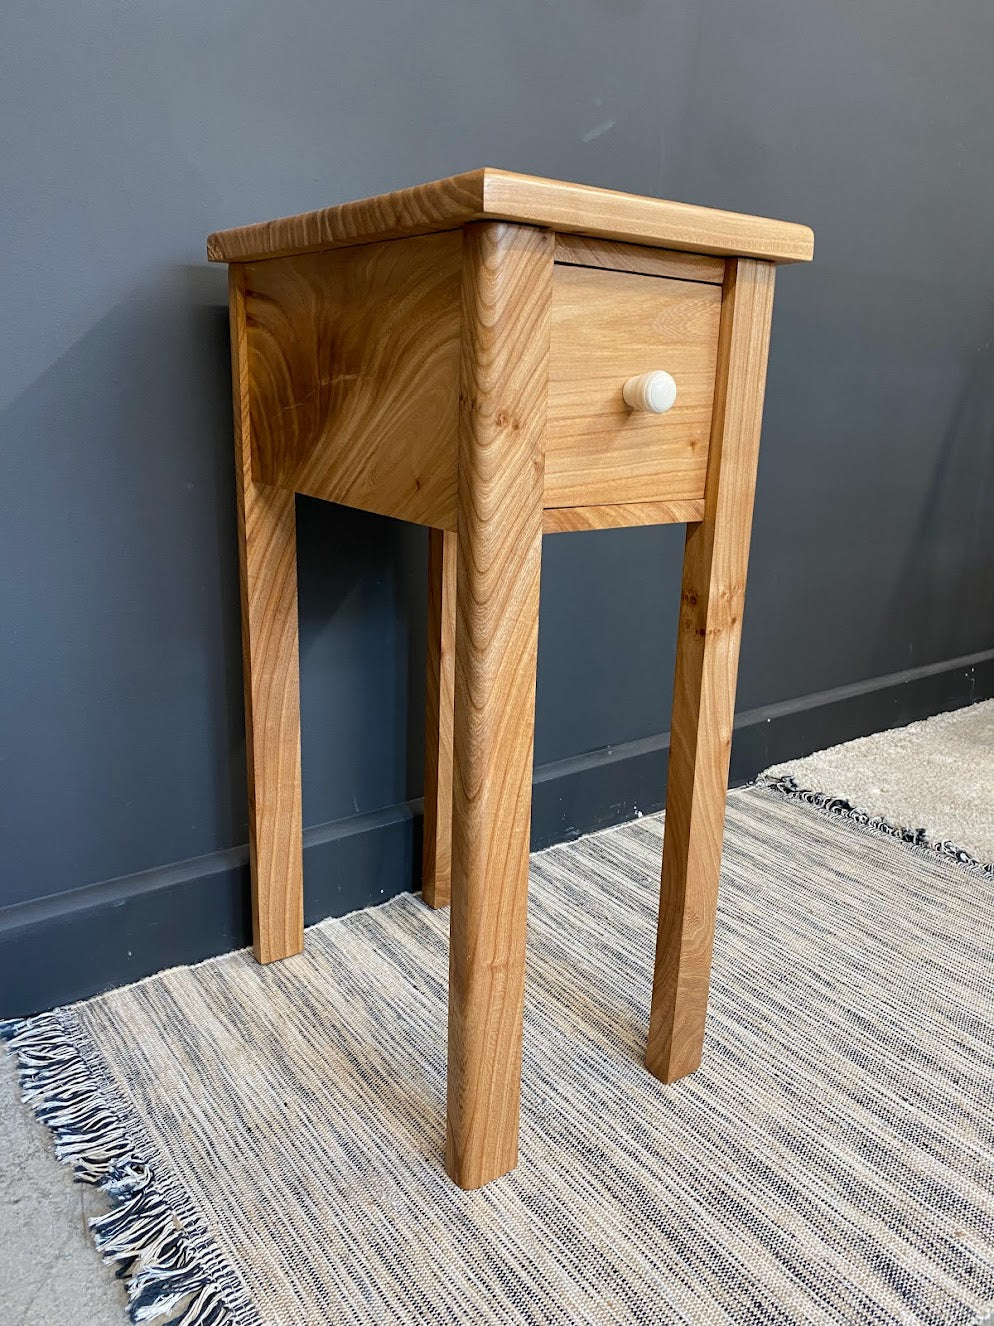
x=130, y=131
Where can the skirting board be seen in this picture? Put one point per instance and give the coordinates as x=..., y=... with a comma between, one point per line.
x=75, y=944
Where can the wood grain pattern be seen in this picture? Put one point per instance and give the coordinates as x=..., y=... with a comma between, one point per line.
x=438, y=205
x=563, y=519
x=504, y=195
x=582, y=251
x=440, y=672
x=507, y=294
x=353, y=360
x=606, y=327
x=714, y=576
x=268, y=572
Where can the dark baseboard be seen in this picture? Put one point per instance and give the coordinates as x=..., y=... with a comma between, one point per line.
x=75, y=944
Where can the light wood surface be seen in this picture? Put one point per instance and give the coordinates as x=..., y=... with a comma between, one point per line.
x=564, y=519
x=505, y=355
x=714, y=577
x=440, y=672
x=454, y=355
x=606, y=327
x=352, y=358
x=450, y=203
x=438, y=205
x=582, y=251
x=353, y=361
x=268, y=567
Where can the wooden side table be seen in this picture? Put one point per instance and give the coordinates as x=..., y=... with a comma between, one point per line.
x=494, y=356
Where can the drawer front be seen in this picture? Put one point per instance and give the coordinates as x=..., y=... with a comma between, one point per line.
x=607, y=327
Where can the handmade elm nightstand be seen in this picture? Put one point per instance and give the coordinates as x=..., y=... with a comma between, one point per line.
x=496, y=357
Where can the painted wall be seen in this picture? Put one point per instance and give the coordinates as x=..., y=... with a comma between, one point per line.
x=129, y=132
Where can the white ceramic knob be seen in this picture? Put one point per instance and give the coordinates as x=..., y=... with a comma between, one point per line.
x=653, y=392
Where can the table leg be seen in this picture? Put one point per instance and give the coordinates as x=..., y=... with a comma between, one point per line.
x=507, y=293
x=714, y=576
x=268, y=563
x=440, y=672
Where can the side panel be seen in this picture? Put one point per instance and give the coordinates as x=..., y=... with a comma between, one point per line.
x=353, y=356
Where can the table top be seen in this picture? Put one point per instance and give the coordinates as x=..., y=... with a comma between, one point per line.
x=489, y=194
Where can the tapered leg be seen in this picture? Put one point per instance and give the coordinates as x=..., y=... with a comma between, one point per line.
x=714, y=576
x=268, y=562
x=440, y=673
x=507, y=292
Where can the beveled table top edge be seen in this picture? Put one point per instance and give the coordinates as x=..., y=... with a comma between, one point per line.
x=500, y=195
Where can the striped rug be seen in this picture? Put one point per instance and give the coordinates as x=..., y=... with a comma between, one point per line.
x=271, y=1138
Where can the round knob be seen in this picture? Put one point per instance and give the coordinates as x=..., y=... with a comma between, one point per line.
x=652, y=392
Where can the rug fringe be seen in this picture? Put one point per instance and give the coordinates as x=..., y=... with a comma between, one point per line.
x=161, y=1270
x=786, y=786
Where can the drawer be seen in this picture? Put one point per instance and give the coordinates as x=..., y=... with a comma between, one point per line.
x=608, y=326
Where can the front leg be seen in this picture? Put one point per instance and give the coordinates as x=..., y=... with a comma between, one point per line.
x=507, y=295
x=714, y=576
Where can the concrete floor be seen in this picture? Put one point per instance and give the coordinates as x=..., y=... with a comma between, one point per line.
x=50, y=1274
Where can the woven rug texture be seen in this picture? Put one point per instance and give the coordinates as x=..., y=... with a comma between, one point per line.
x=272, y=1137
